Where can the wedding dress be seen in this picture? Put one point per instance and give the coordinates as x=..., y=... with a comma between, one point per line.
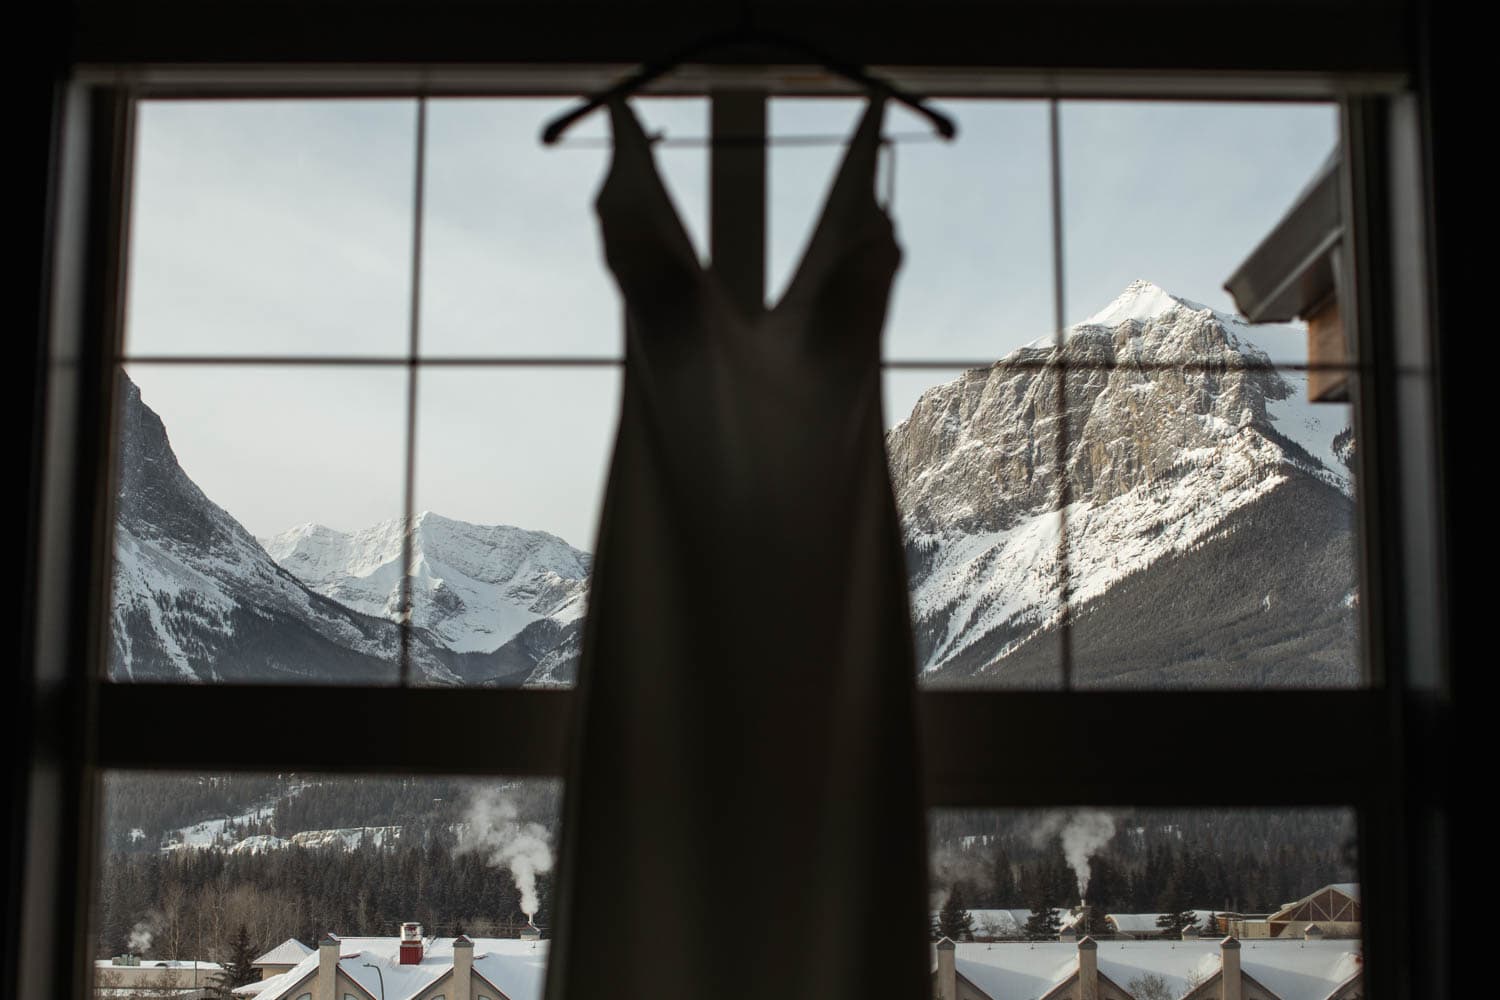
x=743, y=817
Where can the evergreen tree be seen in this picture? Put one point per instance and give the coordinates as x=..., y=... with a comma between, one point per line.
x=1174, y=922
x=1044, y=923
x=1003, y=891
x=1109, y=888
x=954, y=920
x=1091, y=921
x=1062, y=881
x=238, y=969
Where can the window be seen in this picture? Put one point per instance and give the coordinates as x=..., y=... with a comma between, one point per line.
x=519, y=732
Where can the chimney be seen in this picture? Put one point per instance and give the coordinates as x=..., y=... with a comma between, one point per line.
x=463, y=967
x=1234, y=984
x=947, y=971
x=1088, y=969
x=328, y=968
x=411, y=943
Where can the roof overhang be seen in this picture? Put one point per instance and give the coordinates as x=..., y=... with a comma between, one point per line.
x=1294, y=270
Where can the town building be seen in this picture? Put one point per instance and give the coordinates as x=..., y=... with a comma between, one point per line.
x=1333, y=910
x=127, y=976
x=411, y=967
x=282, y=958
x=1145, y=925
x=1149, y=970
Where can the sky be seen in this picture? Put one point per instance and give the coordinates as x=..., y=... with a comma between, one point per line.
x=286, y=227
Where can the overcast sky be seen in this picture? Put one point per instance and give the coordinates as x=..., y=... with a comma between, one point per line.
x=286, y=228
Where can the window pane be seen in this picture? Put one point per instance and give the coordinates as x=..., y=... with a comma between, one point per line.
x=1216, y=503
x=1158, y=892
x=271, y=227
x=217, y=468
x=511, y=466
x=1178, y=195
x=973, y=219
x=1204, y=492
x=512, y=260
x=235, y=879
x=972, y=456
x=1242, y=553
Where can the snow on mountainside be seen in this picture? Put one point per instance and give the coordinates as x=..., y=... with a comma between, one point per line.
x=475, y=587
x=1179, y=435
x=196, y=598
x=1206, y=496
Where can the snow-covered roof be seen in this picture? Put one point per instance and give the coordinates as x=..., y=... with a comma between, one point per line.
x=1301, y=970
x=279, y=981
x=515, y=968
x=289, y=952
x=1022, y=971
x=1145, y=923
x=161, y=963
x=1350, y=889
x=1293, y=970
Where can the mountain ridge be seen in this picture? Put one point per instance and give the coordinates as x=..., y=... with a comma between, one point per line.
x=1175, y=424
x=1182, y=439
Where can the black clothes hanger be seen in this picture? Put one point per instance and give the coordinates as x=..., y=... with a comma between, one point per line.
x=650, y=71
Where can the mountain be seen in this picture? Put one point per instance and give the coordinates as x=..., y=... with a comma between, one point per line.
x=1205, y=497
x=196, y=598
x=475, y=587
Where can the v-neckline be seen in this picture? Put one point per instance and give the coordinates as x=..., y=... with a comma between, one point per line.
x=872, y=115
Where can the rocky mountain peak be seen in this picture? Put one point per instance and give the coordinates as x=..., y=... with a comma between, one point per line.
x=1145, y=381
x=1169, y=420
x=474, y=586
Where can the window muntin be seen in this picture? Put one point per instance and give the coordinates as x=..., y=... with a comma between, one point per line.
x=894, y=374
x=1144, y=185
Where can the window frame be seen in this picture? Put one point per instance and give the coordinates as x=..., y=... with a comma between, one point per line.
x=83, y=724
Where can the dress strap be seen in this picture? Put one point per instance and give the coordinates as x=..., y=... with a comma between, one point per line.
x=633, y=187
x=851, y=204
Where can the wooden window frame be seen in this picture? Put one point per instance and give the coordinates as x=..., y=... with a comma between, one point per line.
x=81, y=726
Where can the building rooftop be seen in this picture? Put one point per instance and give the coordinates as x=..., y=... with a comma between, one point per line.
x=289, y=952
x=515, y=968
x=1293, y=970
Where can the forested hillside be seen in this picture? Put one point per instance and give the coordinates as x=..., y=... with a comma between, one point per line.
x=190, y=858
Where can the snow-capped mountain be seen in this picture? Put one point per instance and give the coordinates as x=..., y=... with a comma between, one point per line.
x=474, y=587
x=196, y=597
x=1209, y=533
x=1207, y=501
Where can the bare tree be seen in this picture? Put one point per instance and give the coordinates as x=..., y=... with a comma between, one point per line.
x=1149, y=987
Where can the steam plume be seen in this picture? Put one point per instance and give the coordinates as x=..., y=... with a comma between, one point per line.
x=141, y=936
x=492, y=827
x=1082, y=833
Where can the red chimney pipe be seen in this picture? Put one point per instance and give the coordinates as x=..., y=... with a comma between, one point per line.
x=411, y=944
